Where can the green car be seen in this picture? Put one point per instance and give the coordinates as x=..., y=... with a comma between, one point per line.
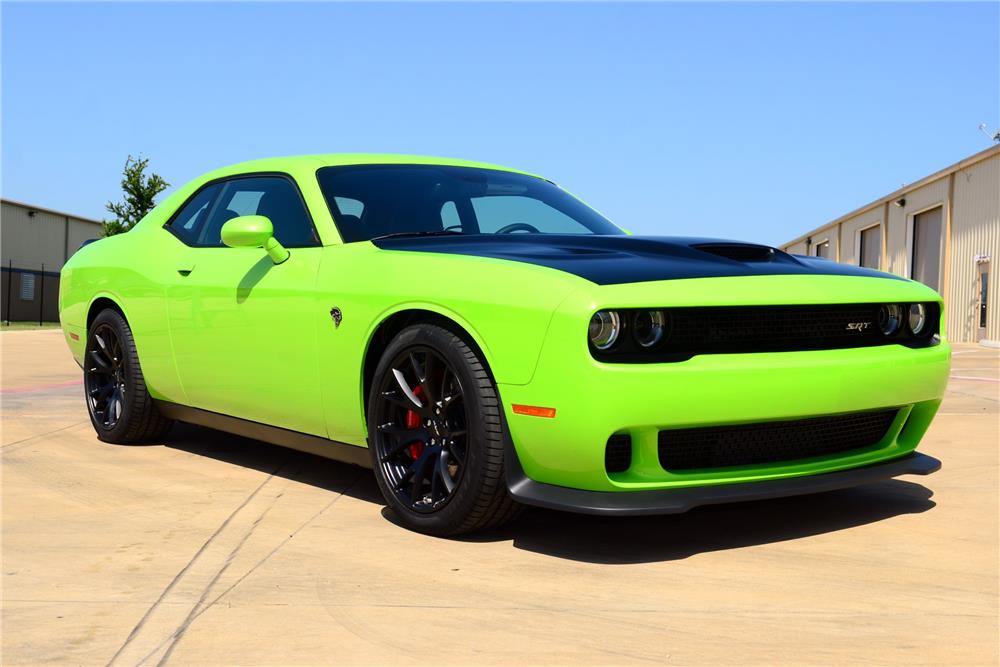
x=482, y=340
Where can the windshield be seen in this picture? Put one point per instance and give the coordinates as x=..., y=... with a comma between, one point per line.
x=369, y=201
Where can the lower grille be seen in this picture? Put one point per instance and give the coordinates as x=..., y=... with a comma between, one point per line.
x=618, y=453
x=768, y=442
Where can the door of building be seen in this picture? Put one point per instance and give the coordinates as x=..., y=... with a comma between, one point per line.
x=984, y=284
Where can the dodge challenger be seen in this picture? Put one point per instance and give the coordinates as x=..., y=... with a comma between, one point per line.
x=483, y=340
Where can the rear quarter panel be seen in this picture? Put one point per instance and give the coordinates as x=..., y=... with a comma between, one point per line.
x=129, y=270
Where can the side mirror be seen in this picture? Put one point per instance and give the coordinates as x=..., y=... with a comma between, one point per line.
x=253, y=231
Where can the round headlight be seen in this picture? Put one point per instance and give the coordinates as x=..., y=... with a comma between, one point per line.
x=648, y=327
x=918, y=318
x=605, y=326
x=890, y=318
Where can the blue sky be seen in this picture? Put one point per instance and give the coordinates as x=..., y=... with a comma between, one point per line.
x=751, y=121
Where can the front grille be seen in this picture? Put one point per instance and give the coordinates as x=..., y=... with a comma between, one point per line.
x=740, y=329
x=769, y=442
x=773, y=327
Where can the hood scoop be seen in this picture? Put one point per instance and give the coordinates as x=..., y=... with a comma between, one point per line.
x=740, y=252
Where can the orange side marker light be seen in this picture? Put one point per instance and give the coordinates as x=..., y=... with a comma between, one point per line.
x=533, y=411
x=74, y=336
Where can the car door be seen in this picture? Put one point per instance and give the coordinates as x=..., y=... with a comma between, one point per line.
x=243, y=329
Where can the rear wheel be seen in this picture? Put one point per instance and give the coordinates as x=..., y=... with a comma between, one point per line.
x=436, y=436
x=121, y=409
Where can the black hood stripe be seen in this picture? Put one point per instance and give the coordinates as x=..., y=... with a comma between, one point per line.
x=614, y=260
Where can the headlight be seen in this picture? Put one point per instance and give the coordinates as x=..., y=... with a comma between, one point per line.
x=890, y=317
x=605, y=326
x=648, y=327
x=918, y=318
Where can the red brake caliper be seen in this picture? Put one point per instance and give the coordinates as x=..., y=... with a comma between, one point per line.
x=413, y=421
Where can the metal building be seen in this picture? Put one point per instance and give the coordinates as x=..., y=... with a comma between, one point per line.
x=943, y=230
x=35, y=242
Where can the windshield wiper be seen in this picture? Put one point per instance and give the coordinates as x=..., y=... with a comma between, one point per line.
x=438, y=232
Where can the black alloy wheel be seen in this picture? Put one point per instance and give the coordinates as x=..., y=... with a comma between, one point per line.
x=104, y=374
x=120, y=406
x=421, y=439
x=436, y=434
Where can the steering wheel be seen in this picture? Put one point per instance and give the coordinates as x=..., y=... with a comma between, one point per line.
x=517, y=227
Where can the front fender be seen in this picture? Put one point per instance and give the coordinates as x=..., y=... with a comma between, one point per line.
x=437, y=309
x=506, y=308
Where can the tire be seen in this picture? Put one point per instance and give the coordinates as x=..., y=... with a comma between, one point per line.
x=120, y=407
x=471, y=423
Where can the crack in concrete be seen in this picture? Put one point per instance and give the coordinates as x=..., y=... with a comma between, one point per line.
x=198, y=609
x=184, y=570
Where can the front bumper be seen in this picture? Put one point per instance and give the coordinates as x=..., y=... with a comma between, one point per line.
x=675, y=501
x=595, y=400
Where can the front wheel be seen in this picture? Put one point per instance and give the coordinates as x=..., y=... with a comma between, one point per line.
x=436, y=435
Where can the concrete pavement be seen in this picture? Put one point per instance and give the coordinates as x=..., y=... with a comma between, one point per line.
x=208, y=549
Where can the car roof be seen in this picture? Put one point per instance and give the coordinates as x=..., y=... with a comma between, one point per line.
x=344, y=159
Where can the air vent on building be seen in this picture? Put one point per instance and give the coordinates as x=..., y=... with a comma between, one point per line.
x=27, y=287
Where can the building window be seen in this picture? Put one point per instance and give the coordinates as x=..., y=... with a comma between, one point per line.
x=27, y=287
x=870, y=253
x=926, y=265
x=823, y=249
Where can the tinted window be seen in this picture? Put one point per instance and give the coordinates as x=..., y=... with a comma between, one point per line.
x=429, y=198
x=189, y=222
x=274, y=197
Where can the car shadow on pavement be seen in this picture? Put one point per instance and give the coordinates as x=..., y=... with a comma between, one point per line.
x=595, y=539
x=333, y=476
x=630, y=540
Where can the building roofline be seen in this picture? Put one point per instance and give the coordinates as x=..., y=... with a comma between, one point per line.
x=53, y=211
x=896, y=194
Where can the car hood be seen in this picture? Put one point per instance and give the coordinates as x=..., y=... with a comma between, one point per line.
x=612, y=260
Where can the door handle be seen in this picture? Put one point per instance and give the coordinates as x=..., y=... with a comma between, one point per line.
x=185, y=267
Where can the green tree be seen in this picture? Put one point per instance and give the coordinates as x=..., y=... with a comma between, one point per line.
x=140, y=192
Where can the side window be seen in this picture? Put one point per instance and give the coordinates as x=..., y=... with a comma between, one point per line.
x=348, y=206
x=497, y=211
x=449, y=216
x=348, y=215
x=188, y=223
x=274, y=197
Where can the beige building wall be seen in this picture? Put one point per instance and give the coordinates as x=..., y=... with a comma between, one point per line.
x=32, y=236
x=78, y=232
x=975, y=236
x=796, y=248
x=34, y=244
x=969, y=196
